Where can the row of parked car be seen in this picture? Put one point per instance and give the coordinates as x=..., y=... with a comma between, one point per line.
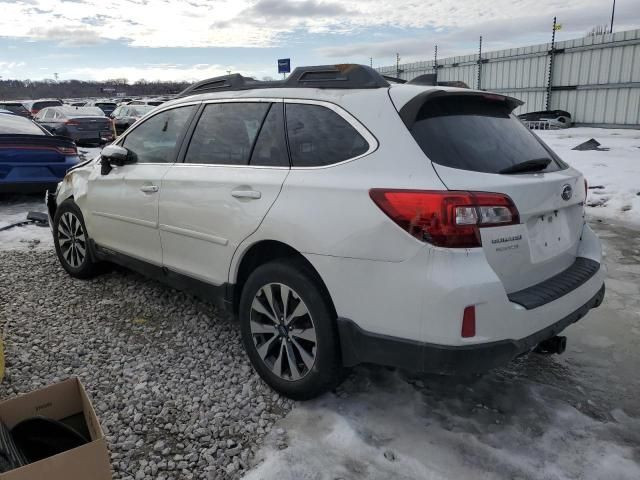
x=38, y=137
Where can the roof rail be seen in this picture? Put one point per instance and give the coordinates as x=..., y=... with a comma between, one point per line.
x=343, y=76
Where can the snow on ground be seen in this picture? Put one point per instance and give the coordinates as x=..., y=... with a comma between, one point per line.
x=14, y=208
x=502, y=426
x=613, y=175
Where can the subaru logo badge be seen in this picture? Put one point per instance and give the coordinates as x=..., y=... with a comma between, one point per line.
x=567, y=191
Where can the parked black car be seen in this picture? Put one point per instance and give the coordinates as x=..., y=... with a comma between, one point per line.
x=82, y=124
x=126, y=115
x=15, y=107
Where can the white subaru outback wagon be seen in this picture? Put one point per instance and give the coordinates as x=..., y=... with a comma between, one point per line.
x=344, y=219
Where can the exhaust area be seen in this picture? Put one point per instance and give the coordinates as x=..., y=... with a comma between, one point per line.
x=557, y=344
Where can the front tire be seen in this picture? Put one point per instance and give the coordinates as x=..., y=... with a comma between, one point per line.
x=289, y=331
x=72, y=241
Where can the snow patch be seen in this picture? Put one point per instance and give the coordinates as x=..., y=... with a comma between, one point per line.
x=380, y=425
x=14, y=209
x=615, y=173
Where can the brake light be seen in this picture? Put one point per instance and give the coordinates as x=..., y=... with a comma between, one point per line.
x=446, y=218
x=67, y=150
x=469, y=322
x=34, y=111
x=71, y=122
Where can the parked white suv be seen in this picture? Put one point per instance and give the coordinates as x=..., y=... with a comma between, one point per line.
x=344, y=220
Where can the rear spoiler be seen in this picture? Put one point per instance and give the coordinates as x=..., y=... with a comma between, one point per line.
x=409, y=112
x=36, y=140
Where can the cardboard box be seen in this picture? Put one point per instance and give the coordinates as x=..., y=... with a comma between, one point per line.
x=60, y=401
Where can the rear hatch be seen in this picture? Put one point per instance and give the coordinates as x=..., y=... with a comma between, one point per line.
x=476, y=144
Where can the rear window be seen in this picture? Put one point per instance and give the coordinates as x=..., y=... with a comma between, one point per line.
x=140, y=110
x=13, y=124
x=84, y=112
x=45, y=104
x=13, y=107
x=106, y=104
x=477, y=134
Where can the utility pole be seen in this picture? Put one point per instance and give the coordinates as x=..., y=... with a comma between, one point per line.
x=371, y=62
x=613, y=12
x=55, y=75
x=480, y=65
x=551, y=54
x=397, y=65
x=435, y=64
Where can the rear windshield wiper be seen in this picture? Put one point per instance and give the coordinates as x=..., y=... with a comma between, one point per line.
x=534, y=165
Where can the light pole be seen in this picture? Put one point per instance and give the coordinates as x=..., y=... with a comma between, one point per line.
x=613, y=12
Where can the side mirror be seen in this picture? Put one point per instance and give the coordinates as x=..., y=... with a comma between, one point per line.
x=115, y=155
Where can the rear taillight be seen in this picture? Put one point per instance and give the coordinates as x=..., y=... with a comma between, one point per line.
x=72, y=122
x=67, y=150
x=446, y=218
x=468, y=322
x=34, y=111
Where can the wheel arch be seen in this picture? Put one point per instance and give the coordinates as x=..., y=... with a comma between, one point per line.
x=266, y=251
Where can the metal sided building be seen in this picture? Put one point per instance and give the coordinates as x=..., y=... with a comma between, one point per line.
x=596, y=78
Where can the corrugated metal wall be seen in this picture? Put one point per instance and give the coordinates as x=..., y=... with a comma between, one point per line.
x=596, y=79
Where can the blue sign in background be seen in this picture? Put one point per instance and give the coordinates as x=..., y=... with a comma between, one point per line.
x=284, y=65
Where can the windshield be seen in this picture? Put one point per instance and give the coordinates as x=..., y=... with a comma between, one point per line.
x=84, y=112
x=45, y=104
x=477, y=134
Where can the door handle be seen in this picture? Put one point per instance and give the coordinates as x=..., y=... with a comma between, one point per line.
x=253, y=194
x=149, y=189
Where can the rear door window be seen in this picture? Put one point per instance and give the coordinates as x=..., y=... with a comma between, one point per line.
x=226, y=133
x=319, y=136
x=477, y=134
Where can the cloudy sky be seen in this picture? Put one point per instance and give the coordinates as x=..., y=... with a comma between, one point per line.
x=194, y=39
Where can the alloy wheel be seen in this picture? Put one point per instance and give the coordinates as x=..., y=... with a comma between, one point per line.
x=72, y=239
x=283, y=331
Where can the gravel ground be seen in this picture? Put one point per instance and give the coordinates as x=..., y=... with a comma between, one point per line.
x=167, y=374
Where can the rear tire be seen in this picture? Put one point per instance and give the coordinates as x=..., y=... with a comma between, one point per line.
x=72, y=241
x=289, y=331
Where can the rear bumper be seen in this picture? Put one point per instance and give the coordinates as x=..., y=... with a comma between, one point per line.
x=359, y=346
x=92, y=136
